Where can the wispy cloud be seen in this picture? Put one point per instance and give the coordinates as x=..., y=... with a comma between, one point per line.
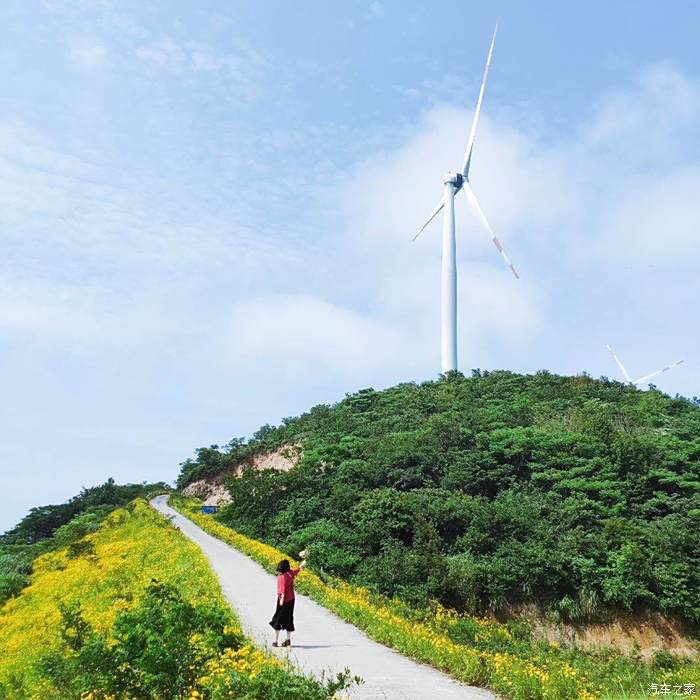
x=376, y=9
x=191, y=58
x=87, y=265
x=106, y=34
x=87, y=54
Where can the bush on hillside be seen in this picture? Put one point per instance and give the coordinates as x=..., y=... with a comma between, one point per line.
x=158, y=648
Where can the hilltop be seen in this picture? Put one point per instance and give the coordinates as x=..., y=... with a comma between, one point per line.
x=488, y=492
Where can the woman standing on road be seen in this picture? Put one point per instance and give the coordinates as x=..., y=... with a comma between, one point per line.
x=283, y=619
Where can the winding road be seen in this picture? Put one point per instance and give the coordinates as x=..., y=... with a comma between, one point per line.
x=323, y=642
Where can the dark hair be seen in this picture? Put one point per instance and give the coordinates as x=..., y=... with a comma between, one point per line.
x=283, y=567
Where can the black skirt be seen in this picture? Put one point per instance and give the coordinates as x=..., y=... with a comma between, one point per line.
x=283, y=619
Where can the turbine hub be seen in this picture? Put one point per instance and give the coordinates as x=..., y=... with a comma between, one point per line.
x=456, y=179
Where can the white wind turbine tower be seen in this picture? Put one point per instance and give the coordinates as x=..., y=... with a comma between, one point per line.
x=646, y=377
x=454, y=183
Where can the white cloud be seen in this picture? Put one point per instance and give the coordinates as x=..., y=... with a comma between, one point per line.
x=645, y=125
x=88, y=266
x=89, y=318
x=519, y=183
x=87, y=54
x=241, y=70
x=657, y=221
x=61, y=204
x=619, y=192
x=388, y=321
x=104, y=33
x=638, y=164
x=623, y=185
x=376, y=9
x=297, y=336
x=495, y=303
x=164, y=53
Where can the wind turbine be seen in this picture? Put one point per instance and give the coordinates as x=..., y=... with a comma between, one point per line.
x=646, y=377
x=454, y=183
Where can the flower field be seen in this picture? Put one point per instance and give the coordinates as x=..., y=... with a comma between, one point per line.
x=134, y=612
x=477, y=651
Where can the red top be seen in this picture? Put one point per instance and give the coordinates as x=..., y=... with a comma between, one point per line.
x=285, y=584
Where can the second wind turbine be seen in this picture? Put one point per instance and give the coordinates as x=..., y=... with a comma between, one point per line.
x=454, y=183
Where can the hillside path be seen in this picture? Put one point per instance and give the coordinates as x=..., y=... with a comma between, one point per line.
x=322, y=642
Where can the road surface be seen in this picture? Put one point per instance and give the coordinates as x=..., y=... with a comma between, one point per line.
x=322, y=642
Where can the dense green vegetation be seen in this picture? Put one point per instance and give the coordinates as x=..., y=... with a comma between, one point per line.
x=63, y=525
x=487, y=491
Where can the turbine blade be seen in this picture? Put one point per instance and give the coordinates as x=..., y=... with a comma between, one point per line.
x=477, y=111
x=474, y=204
x=646, y=377
x=620, y=365
x=435, y=212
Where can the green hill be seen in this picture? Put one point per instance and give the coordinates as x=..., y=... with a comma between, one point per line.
x=484, y=492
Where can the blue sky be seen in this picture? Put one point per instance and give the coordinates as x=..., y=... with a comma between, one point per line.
x=206, y=212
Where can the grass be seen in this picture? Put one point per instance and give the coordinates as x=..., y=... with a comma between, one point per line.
x=107, y=577
x=481, y=652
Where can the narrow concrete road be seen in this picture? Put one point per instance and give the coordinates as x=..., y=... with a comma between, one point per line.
x=323, y=642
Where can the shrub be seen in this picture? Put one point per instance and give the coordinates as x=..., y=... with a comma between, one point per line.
x=157, y=649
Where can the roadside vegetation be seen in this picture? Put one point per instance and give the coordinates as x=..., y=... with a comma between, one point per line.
x=132, y=610
x=473, y=649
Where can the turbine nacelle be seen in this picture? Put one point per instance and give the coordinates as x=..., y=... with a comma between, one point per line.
x=455, y=179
